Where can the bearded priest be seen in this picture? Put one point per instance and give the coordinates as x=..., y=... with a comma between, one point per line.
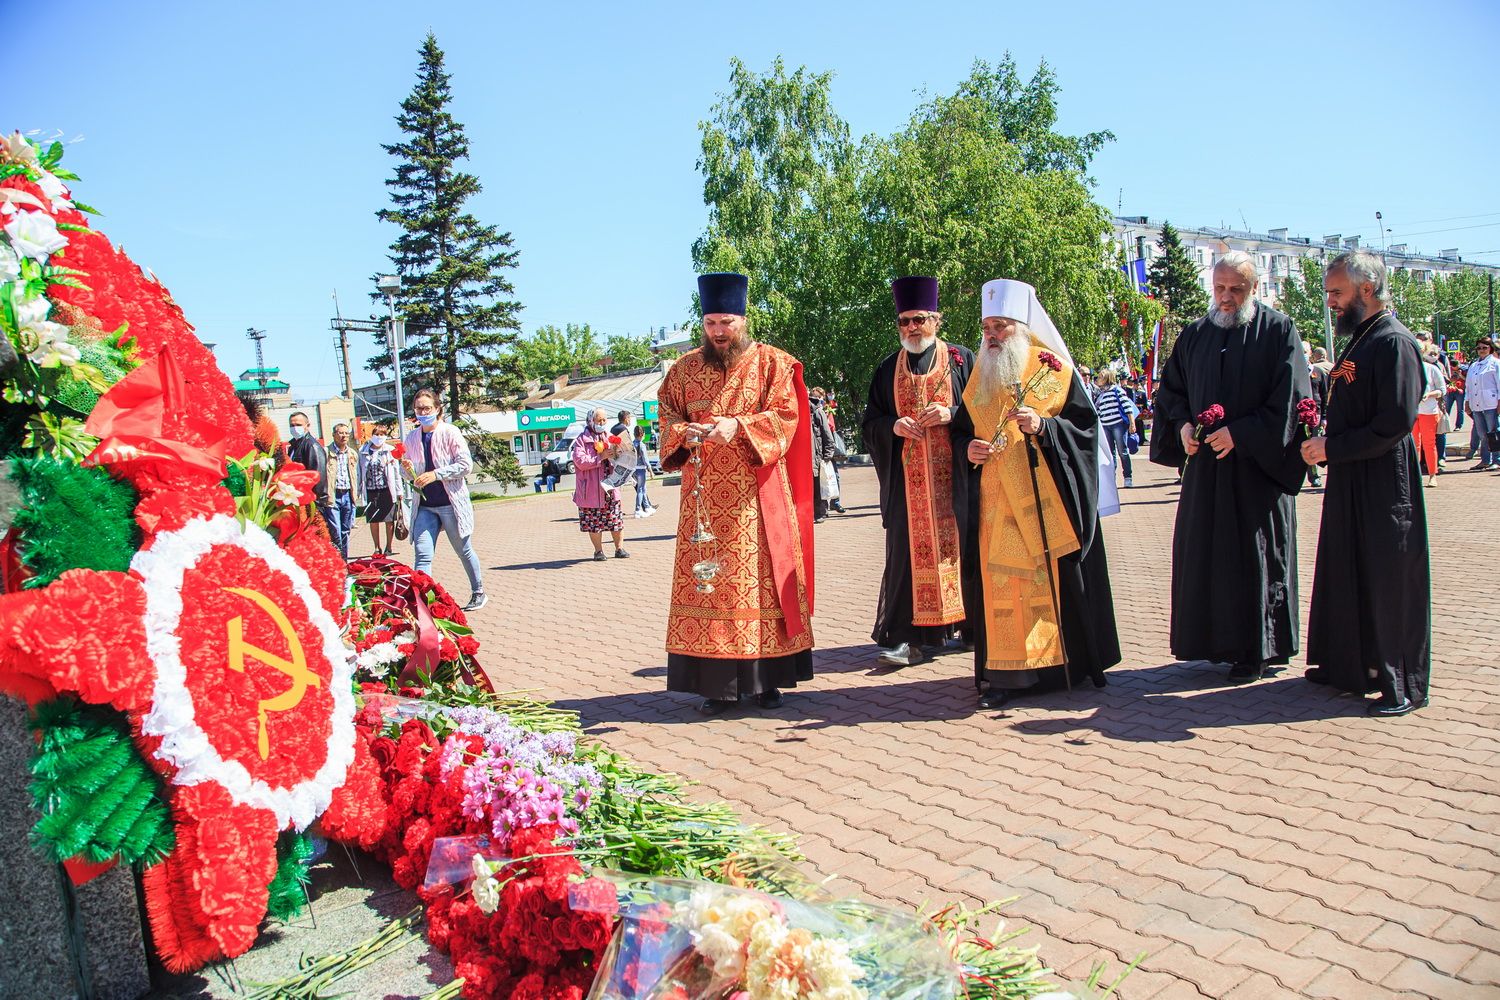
x=734, y=419
x=925, y=501
x=1048, y=614
x=1234, y=549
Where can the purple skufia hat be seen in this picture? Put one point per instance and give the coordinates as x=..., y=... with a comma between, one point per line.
x=915, y=293
x=723, y=292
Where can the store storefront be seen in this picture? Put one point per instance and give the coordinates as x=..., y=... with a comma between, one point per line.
x=536, y=430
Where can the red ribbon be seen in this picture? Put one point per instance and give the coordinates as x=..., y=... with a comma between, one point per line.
x=130, y=422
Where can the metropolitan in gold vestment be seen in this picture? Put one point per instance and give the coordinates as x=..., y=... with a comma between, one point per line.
x=743, y=408
x=1048, y=612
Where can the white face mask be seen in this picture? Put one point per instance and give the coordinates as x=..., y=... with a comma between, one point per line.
x=299, y=430
x=598, y=428
x=377, y=439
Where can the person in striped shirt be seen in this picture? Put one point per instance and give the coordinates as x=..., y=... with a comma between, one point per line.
x=1118, y=414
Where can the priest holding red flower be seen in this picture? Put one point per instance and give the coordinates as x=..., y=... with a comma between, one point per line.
x=1028, y=421
x=1229, y=396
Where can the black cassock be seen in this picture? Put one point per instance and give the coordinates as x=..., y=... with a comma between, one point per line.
x=893, y=615
x=1371, y=594
x=1234, y=550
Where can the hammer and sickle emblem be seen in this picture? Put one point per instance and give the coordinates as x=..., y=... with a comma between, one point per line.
x=295, y=668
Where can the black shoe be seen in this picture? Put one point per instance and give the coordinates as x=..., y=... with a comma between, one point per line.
x=476, y=602
x=994, y=698
x=770, y=699
x=715, y=706
x=1244, y=673
x=1318, y=675
x=621, y=554
x=820, y=520
x=838, y=509
x=1386, y=709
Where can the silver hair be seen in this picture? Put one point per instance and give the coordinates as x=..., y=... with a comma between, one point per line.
x=1363, y=266
x=1238, y=260
x=340, y=424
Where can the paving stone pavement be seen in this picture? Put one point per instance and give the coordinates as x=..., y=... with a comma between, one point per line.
x=1258, y=841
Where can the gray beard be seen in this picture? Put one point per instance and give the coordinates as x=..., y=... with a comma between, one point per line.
x=998, y=370
x=917, y=345
x=1227, y=321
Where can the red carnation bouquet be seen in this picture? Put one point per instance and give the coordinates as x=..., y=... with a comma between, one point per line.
x=1050, y=364
x=1308, y=417
x=1207, y=419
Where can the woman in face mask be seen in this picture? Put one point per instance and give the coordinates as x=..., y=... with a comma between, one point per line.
x=380, y=487
x=599, y=505
x=437, y=460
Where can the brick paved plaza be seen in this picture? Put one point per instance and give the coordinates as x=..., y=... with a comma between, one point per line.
x=1262, y=841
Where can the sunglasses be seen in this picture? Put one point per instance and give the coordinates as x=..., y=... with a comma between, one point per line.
x=914, y=320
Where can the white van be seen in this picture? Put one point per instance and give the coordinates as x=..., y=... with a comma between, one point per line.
x=562, y=451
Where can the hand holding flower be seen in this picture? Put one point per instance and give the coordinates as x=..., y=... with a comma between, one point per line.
x=425, y=478
x=980, y=451
x=1028, y=420
x=1220, y=441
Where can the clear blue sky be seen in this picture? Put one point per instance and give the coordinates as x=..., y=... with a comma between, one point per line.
x=235, y=148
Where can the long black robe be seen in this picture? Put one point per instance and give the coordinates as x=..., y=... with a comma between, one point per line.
x=893, y=615
x=1371, y=599
x=1069, y=450
x=1234, y=550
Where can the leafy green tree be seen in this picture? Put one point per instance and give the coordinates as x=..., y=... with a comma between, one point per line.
x=978, y=185
x=455, y=290
x=549, y=351
x=1413, y=298
x=1175, y=283
x=626, y=351
x=1302, y=299
x=1461, y=304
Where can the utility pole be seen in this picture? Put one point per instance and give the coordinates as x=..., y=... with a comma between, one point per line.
x=1492, y=303
x=343, y=331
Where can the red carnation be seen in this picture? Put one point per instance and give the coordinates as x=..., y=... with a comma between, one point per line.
x=1307, y=414
x=398, y=450
x=1049, y=360
x=953, y=352
x=1211, y=416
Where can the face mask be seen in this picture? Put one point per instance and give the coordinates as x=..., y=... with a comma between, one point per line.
x=427, y=419
x=598, y=428
x=377, y=439
x=299, y=431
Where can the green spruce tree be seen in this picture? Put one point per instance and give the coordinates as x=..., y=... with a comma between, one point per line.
x=455, y=293
x=1174, y=282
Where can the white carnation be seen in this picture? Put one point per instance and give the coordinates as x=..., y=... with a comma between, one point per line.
x=34, y=235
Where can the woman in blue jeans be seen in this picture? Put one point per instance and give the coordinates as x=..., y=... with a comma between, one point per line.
x=437, y=460
x=1117, y=413
x=643, y=505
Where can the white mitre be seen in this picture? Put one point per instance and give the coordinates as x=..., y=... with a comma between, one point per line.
x=1006, y=298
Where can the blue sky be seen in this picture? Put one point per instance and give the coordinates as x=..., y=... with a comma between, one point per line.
x=235, y=148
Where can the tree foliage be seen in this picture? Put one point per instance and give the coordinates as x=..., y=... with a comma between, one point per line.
x=977, y=185
x=1302, y=300
x=626, y=351
x=455, y=290
x=551, y=351
x=1175, y=283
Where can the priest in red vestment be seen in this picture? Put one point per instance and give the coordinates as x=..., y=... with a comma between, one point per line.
x=734, y=419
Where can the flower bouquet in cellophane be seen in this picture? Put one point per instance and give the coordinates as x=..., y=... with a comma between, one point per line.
x=682, y=939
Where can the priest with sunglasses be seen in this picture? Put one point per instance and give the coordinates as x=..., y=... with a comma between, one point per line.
x=926, y=490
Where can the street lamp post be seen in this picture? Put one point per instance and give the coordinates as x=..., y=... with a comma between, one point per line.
x=389, y=285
